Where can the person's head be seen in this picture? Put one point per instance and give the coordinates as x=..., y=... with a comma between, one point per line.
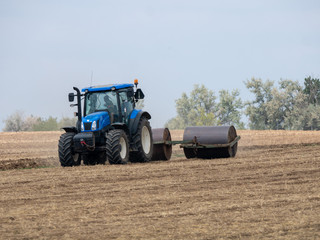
x=93, y=100
x=107, y=100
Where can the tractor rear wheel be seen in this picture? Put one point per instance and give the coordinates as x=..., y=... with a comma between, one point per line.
x=117, y=147
x=143, y=141
x=67, y=156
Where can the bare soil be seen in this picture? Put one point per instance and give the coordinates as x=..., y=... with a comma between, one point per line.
x=270, y=190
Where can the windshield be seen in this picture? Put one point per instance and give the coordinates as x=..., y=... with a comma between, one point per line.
x=101, y=101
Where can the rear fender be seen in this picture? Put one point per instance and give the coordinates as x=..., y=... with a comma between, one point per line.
x=122, y=126
x=134, y=122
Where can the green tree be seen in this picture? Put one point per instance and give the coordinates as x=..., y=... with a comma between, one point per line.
x=313, y=117
x=67, y=122
x=30, y=122
x=257, y=110
x=49, y=124
x=18, y=122
x=15, y=122
x=293, y=104
x=229, y=108
x=312, y=94
x=198, y=109
x=282, y=104
x=175, y=123
x=288, y=106
x=312, y=90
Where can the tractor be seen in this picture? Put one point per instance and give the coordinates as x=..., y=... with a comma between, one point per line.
x=110, y=128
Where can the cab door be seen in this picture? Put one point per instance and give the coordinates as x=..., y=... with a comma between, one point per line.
x=126, y=104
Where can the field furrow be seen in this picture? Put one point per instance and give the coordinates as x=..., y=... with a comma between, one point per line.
x=270, y=190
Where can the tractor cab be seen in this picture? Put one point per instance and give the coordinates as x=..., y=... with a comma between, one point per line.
x=105, y=105
x=108, y=104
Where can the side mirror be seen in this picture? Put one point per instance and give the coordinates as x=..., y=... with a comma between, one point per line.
x=71, y=97
x=139, y=94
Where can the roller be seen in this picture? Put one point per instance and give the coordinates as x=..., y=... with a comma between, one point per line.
x=162, y=147
x=210, y=142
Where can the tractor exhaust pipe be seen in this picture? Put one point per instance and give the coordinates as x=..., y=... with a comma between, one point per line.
x=79, y=114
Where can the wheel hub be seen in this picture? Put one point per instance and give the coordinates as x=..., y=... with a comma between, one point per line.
x=146, y=139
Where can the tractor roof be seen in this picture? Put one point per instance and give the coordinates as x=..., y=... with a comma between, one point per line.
x=106, y=87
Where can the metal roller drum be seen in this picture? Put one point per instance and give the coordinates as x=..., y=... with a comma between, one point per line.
x=210, y=142
x=162, y=147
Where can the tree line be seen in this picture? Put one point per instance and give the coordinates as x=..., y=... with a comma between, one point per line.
x=289, y=106
x=285, y=105
x=18, y=122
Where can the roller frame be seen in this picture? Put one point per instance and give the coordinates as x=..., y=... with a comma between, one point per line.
x=199, y=145
x=196, y=144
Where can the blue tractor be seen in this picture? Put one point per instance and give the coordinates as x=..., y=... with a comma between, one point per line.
x=110, y=128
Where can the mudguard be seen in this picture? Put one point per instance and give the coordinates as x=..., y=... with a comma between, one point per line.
x=135, y=119
x=121, y=126
x=70, y=129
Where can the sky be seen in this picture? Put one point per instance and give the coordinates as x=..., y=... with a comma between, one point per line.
x=47, y=47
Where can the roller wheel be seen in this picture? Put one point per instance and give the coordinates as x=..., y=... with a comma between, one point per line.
x=117, y=147
x=161, y=151
x=189, y=153
x=143, y=141
x=211, y=135
x=234, y=150
x=67, y=156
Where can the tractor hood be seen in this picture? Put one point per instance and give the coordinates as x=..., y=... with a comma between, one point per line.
x=95, y=121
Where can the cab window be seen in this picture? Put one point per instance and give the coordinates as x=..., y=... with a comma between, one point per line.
x=126, y=102
x=101, y=101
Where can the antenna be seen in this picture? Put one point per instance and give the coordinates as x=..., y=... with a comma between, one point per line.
x=91, y=78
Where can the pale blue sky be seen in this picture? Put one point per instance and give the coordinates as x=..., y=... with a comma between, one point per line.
x=47, y=47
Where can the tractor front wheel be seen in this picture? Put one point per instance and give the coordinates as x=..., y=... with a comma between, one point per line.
x=117, y=147
x=67, y=156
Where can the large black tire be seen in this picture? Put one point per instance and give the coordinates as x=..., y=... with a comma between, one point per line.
x=117, y=147
x=143, y=141
x=67, y=156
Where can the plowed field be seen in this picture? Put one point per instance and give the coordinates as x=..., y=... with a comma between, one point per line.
x=270, y=190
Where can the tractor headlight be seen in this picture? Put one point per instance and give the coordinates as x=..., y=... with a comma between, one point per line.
x=94, y=126
x=82, y=127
